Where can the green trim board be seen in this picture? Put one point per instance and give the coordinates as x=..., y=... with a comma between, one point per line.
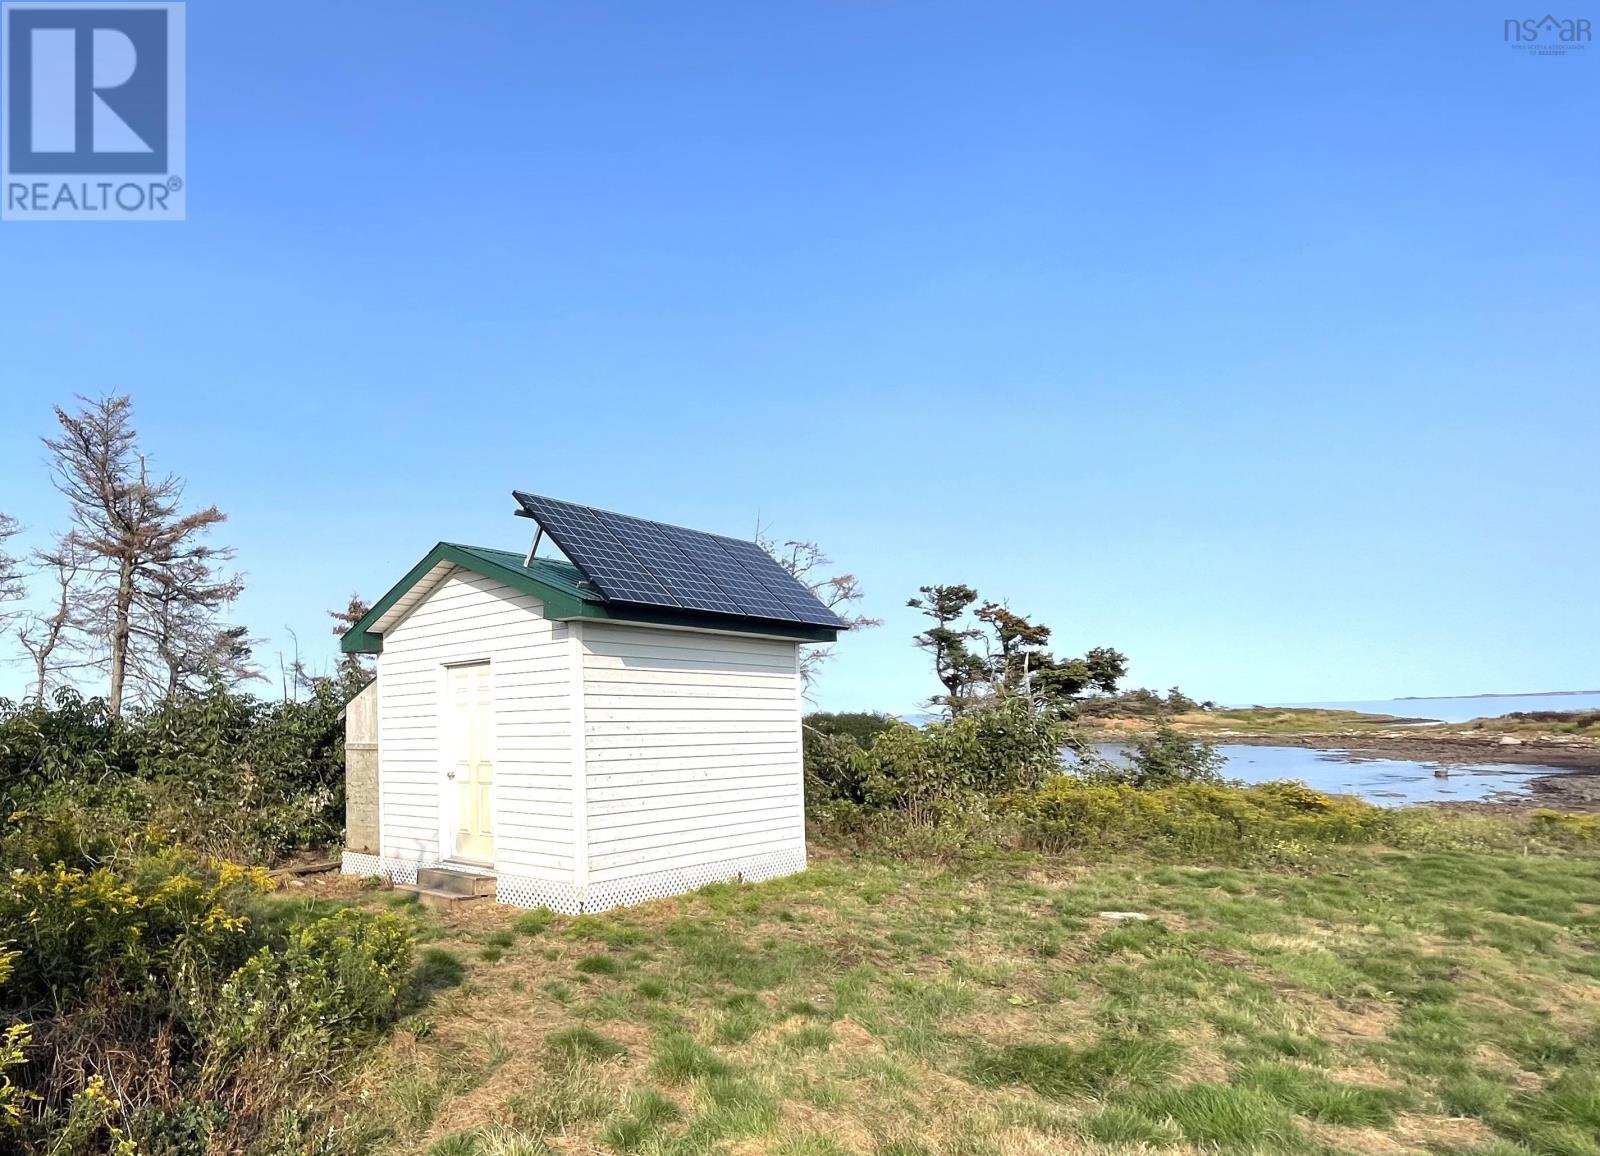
x=560, y=587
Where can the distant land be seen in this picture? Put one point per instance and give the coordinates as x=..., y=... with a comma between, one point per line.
x=1496, y=694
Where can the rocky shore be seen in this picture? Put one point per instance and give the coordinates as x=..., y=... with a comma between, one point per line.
x=1575, y=788
x=1565, y=743
x=1430, y=747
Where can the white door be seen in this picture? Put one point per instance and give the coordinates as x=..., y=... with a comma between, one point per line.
x=468, y=766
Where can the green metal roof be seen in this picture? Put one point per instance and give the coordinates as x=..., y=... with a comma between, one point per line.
x=558, y=573
x=561, y=588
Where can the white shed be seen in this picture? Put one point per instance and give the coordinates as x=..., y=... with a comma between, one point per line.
x=590, y=732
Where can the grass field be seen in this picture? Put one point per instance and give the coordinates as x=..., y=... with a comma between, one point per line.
x=1404, y=1002
x=1262, y=720
x=1563, y=723
x=1289, y=720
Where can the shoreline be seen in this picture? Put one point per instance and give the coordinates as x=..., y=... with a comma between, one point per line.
x=1454, y=750
x=1574, y=786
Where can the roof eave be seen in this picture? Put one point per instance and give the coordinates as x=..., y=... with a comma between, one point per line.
x=689, y=620
x=363, y=639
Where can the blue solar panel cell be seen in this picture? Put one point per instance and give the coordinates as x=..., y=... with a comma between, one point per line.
x=676, y=569
x=584, y=537
x=764, y=569
x=632, y=560
x=752, y=597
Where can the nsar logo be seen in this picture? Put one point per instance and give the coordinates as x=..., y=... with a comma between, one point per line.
x=93, y=112
x=1548, y=36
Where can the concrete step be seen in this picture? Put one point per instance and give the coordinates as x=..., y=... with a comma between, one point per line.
x=435, y=897
x=455, y=882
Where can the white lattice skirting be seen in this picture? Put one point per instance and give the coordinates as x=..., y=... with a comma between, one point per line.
x=659, y=884
x=394, y=870
x=521, y=891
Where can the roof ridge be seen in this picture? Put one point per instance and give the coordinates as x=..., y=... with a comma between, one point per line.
x=564, y=598
x=512, y=554
x=633, y=517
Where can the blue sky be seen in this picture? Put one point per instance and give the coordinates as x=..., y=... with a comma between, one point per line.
x=1257, y=341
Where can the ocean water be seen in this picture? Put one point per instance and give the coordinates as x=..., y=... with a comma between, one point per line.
x=1387, y=782
x=1462, y=709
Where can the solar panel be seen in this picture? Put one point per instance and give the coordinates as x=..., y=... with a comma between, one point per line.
x=763, y=568
x=742, y=587
x=585, y=539
x=645, y=563
x=674, y=567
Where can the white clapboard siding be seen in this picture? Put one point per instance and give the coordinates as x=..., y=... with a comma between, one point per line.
x=471, y=618
x=692, y=749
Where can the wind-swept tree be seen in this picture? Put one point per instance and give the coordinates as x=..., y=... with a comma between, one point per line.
x=955, y=663
x=129, y=523
x=1064, y=680
x=1004, y=657
x=1019, y=644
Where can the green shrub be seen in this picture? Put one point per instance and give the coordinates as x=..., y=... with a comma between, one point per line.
x=1166, y=758
x=987, y=784
x=41, y=745
x=158, y=977
x=223, y=773
x=834, y=769
x=919, y=772
x=1070, y=813
x=142, y=931
x=862, y=726
x=1564, y=829
x=294, y=1004
x=1140, y=703
x=13, y=1054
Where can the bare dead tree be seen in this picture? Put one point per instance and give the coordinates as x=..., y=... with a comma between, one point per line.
x=55, y=639
x=179, y=641
x=840, y=593
x=127, y=521
x=232, y=658
x=12, y=585
x=351, y=673
x=289, y=676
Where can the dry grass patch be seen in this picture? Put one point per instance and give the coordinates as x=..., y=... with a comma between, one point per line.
x=1409, y=1134
x=1342, y=1024
x=895, y=1009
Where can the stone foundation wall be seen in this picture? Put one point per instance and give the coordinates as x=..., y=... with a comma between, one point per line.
x=361, y=772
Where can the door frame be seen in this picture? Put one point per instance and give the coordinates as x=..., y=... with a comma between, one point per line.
x=449, y=812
